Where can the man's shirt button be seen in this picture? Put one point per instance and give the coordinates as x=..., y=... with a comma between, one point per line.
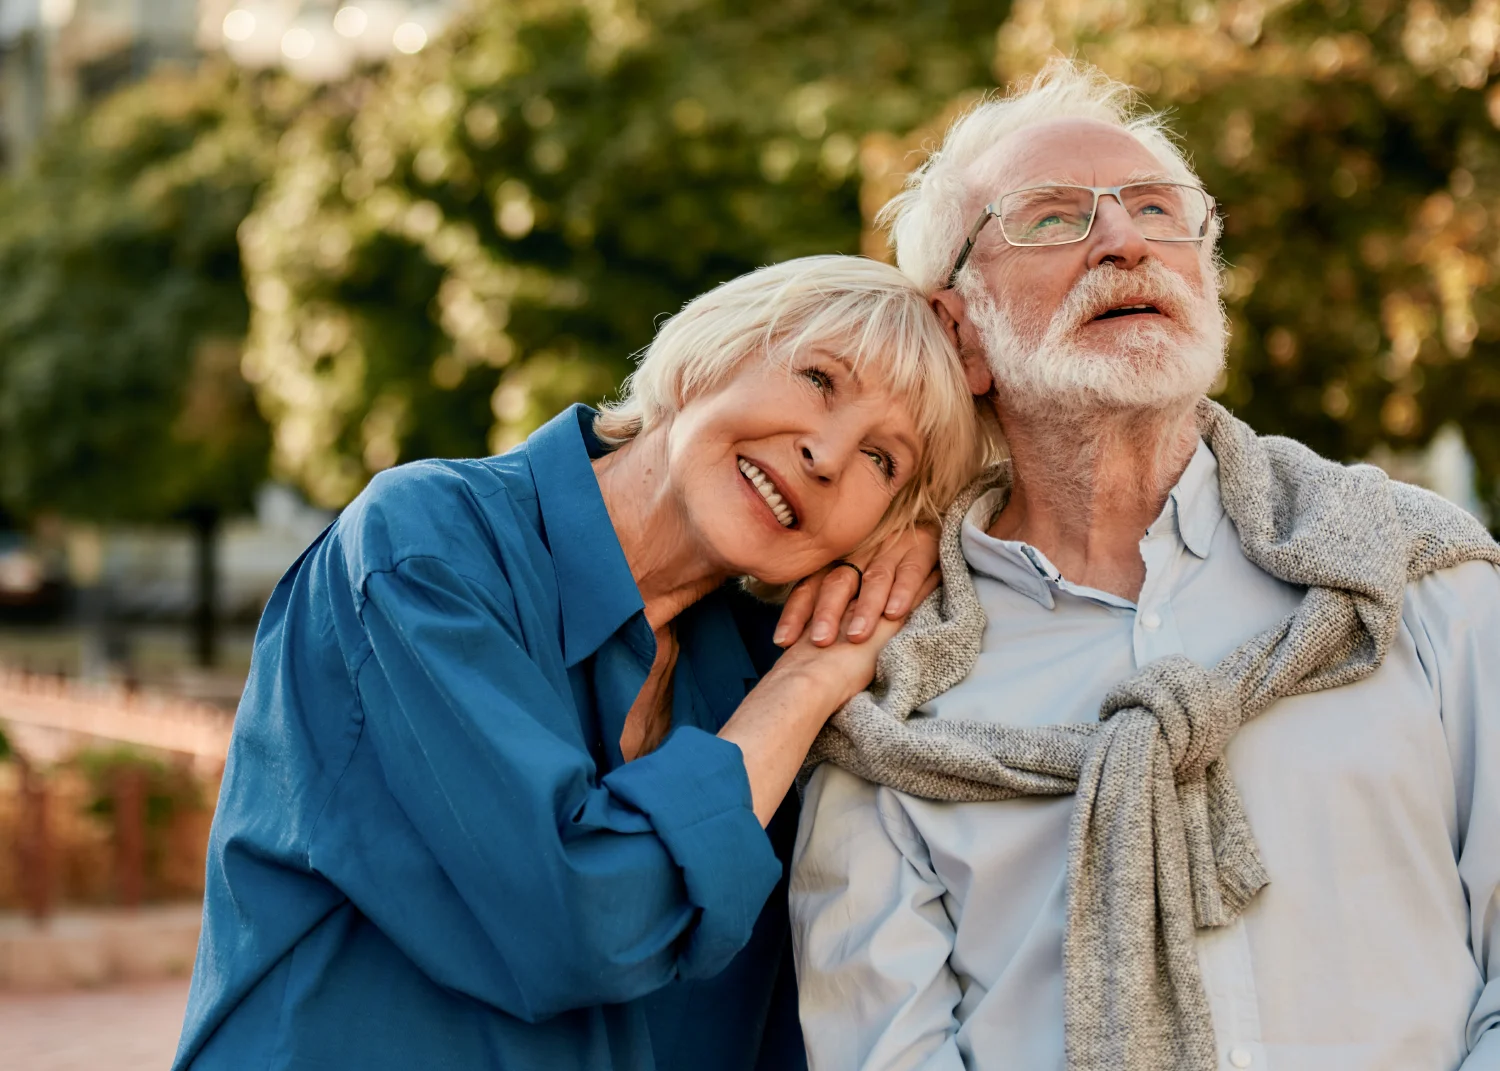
x=1240, y=1057
x=1152, y=622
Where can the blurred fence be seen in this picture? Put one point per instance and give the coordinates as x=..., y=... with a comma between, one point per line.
x=108, y=795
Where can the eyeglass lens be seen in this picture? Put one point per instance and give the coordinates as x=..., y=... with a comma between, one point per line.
x=1054, y=215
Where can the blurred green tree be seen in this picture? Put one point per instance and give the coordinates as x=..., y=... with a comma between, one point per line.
x=121, y=396
x=451, y=252
x=1352, y=145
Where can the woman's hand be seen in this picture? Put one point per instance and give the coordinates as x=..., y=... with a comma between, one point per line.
x=838, y=669
x=776, y=724
x=901, y=574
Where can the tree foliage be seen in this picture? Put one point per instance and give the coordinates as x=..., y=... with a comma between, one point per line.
x=488, y=232
x=124, y=307
x=444, y=251
x=1352, y=144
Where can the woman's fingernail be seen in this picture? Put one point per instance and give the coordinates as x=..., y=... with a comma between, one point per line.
x=821, y=632
x=857, y=626
x=895, y=608
x=779, y=638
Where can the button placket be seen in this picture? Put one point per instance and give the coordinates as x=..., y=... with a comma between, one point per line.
x=1155, y=633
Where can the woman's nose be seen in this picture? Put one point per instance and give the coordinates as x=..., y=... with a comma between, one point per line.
x=817, y=460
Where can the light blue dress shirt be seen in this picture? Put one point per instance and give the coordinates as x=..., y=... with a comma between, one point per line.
x=929, y=935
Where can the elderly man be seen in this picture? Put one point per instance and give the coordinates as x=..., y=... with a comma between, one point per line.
x=1195, y=761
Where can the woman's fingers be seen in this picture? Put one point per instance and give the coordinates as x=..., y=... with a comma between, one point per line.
x=818, y=604
x=918, y=563
x=915, y=580
x=797, y=610
x=832, y=601
x=902, y=574
x=880, y=575
x=929, y=584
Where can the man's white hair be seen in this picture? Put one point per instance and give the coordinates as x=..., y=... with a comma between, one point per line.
x=930, y=217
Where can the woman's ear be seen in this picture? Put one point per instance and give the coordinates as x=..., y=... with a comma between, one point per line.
x=951, y=312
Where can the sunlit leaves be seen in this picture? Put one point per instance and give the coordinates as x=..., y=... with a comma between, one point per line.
x=487, y=232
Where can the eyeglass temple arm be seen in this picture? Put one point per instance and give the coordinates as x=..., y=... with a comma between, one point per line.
x=963, y=256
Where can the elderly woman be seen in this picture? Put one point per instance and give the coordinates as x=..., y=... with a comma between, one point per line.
x=500, y=781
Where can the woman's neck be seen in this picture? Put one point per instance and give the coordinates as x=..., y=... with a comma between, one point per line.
x=668, y=566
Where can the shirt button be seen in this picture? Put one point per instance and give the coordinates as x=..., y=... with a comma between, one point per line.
x=1152, y=622
x=1240, y=1057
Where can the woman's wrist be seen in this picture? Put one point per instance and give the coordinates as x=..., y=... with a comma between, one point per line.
x=814, y=690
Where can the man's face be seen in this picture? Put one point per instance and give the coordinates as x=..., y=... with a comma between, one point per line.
x=1115, y=321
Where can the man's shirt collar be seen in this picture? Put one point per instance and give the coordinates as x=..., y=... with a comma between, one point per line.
x=1192, y=514
x=595, y=588
x=1196, y=505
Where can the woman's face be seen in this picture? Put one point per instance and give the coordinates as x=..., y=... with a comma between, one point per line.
x=785, y=468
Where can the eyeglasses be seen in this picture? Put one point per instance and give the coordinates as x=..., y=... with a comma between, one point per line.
x=1061, y=215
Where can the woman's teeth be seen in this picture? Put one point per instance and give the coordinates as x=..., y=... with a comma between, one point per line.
x=768, y=492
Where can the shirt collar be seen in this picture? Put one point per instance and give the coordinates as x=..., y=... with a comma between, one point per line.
x=594, y=585
x=1198, y=506
x=1193, y=509
x=1005, y=560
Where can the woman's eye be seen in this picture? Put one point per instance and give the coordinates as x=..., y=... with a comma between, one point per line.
x=883, y=461
x=819, y=378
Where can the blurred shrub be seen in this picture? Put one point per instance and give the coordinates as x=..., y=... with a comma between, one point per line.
x=451, y=253
x=176, y=816
x=1352, y=144
x=167, y=789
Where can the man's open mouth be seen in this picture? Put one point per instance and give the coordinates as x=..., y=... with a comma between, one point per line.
x=763, y=484
x=1128, y=310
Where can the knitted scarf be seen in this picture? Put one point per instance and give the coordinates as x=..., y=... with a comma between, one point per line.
x=1159, y=843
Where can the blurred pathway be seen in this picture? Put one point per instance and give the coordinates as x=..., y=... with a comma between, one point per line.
x=125, y=1028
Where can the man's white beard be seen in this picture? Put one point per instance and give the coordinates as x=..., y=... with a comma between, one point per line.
x=1150, y=363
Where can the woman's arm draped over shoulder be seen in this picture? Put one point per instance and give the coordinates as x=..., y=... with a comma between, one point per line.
x=590, y=890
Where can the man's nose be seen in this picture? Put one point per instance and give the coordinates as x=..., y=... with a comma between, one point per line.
x=1115, y=239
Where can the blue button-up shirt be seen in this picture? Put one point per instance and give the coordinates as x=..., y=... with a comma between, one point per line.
x=428, y=851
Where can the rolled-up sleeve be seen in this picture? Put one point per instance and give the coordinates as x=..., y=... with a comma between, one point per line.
x=871, y=934
x=1459, y=612
x=590, y=890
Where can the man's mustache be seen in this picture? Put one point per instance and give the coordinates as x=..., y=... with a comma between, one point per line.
x=1107, y=287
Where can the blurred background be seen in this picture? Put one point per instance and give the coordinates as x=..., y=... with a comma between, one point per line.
x=254, y=251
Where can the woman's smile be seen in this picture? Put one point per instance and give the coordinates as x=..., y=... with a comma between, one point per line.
x=770, y=491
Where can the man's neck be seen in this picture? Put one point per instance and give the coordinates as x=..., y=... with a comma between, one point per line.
x=1087, y=485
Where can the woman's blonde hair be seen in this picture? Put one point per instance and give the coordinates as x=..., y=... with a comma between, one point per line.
x=869, y=313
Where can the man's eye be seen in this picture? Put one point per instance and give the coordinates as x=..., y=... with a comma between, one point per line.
x=1155, y=209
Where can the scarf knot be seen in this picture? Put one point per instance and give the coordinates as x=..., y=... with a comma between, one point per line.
x=1195, y=711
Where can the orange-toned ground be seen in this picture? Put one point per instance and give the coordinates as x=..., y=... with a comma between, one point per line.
x=129, y=1028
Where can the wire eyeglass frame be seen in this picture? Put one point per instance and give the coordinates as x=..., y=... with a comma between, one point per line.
x=991, y=212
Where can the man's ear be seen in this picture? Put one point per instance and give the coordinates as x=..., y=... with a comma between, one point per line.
x=955, y=320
